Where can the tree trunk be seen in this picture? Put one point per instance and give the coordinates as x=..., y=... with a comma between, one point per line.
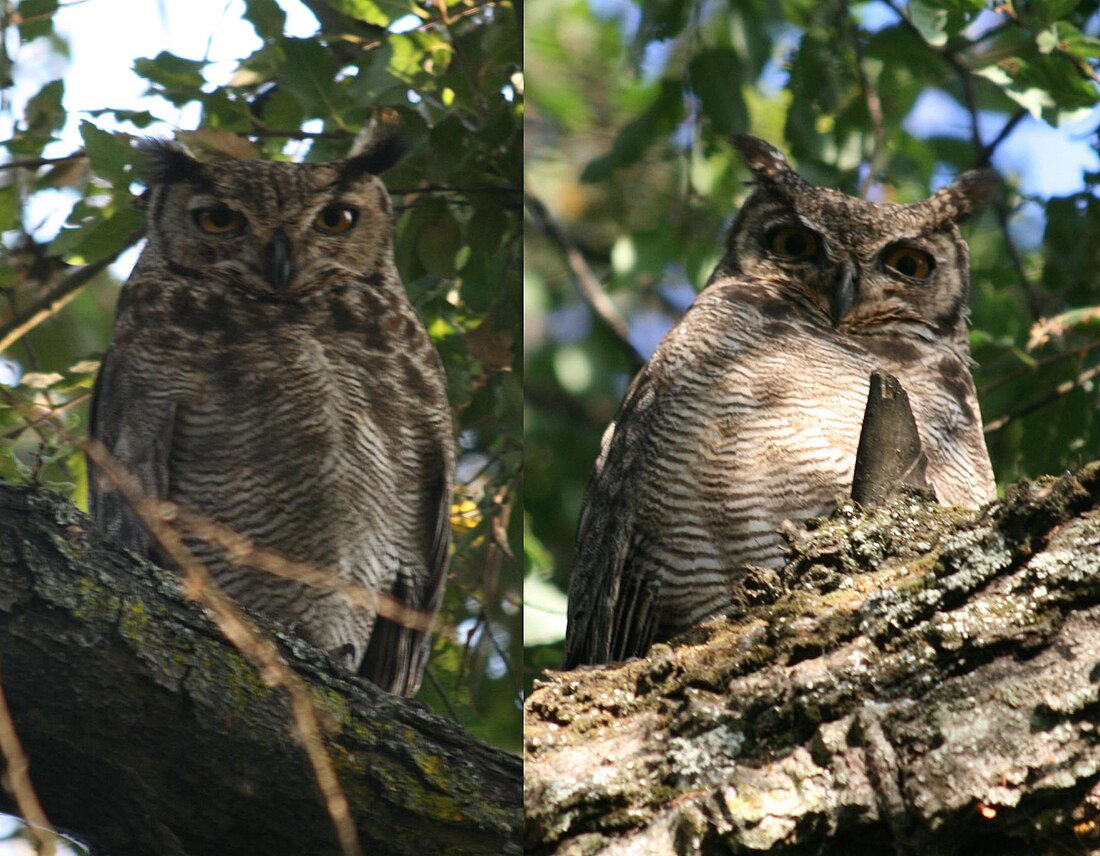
x=148, y=733
x=917, y=680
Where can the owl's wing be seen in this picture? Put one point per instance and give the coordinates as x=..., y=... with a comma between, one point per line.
x=612, y=605
x=134, y=424
x=396, y=654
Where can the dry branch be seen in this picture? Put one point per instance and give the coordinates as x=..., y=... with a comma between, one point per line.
x=920, y=680
x=147, y=732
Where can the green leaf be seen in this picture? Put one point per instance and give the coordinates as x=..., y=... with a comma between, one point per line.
x=930, y=21
x=439, y=243
x=44, y=113
x=140, y=118
x=110, y=156
x=308, y=74
x=1049, y=87
x=940, y=20
x=100, y=238
x=266, y=18
x=544, y=608
x=639, y=134
x=36, y=18
x=378, y=12
x=9, y=207
x=716, y=78
x=177, y=79
x=1049, y=11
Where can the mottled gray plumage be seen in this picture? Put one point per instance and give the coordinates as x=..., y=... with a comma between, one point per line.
x=749, y=412
x=268, y=370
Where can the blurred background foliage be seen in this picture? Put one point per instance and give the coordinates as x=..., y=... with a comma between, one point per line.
x=446, y=75
x=630, y=182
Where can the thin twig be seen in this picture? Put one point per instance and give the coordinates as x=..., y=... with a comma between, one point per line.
x=53, y=411
x=438, y=687
x=242, y=550
x=588, y=285
x=985, y=153
x=1028, y=369
x=874, y=107
x=52, y=302
x=428, y=25
x=1058, y=391
x=441, y=188
x=20, y=782
x=298, y=135
x=35, y=163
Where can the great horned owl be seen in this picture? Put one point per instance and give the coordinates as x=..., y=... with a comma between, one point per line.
x=749, y=412
x=268, y=370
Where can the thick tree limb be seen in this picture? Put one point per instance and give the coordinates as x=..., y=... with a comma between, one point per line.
x=929, y=683
x=147, y=732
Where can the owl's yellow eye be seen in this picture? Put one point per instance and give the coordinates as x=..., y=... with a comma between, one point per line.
x=218, y=221
x=795, y=243
x=335, y=220
x=910, y=262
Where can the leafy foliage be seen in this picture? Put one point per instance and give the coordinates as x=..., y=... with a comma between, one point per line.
x=631, y=111
x=452, y=87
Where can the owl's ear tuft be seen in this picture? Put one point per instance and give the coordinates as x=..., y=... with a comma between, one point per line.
x=382, y=154
x=764, y=159
x=166, y=162
x=965, y=195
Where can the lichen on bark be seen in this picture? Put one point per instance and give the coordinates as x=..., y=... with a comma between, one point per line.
x=917, y=679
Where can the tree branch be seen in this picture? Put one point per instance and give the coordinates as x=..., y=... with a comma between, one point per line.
x=984, y=152
x=147, y=732
x=12, y=330
x=874, y=105
x=917, y=679
x=35, y=163
x=587, y=283
x=1064, y=388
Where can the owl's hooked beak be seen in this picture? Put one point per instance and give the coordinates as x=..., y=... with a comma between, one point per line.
x=280, y=267
x=844, y=295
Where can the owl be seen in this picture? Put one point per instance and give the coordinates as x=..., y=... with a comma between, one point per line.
x=749, y=412
x=268, y=371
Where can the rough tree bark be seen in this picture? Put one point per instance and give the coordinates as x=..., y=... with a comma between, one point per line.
x=917, y=680
x=148, y=733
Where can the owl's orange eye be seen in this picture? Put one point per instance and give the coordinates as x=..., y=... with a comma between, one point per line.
x=794, y=243
x=335, y=220
x=910, y=262
x=218, y=221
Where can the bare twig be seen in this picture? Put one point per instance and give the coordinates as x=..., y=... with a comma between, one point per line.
x=588, y=285
x=439, y=691
x=298, y=135
x=56, y=299
x=984, y=152
x=35, y=163
x=1028, y=369
x=52, y=411
x=440, y=188
x=874, y=106
x=20, y=782
x=1058, y=391
x=242, y=550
